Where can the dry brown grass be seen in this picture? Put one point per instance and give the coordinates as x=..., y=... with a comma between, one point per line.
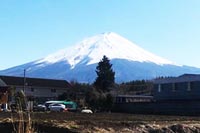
x=108, y=122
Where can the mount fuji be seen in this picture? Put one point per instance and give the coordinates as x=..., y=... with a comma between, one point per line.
x=78, y=63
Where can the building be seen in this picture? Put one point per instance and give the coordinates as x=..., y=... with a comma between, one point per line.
x=178, y=95
x=182, y=88
x=3, y=95
x=37, y=88
x=133, y=98
x=171, y=96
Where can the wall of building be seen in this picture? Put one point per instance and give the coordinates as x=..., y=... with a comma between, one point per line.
x=41, y=92
x=177, y=91
x=167, y=107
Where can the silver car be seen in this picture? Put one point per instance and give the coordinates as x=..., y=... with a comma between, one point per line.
x=57, y=107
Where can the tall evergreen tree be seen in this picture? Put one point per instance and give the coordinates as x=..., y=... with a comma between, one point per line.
x=105, y=74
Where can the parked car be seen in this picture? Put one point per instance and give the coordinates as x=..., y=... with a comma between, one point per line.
x=89, y=111
x=70, y=105
x=57, y=107
x=40, y=107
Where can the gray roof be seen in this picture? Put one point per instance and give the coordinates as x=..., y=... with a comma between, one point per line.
x=2, y=83
x=19, y=81
x=182, y=78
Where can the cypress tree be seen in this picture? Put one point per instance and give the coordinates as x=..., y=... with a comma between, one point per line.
x=105, y=75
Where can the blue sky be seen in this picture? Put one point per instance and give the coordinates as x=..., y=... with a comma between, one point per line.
x=32, y=29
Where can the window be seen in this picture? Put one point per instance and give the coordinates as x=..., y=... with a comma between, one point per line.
x=32, y=89
x=189, y=86
x=53, y=90
x=159, y=88
x=174, y=87
x=68, y=105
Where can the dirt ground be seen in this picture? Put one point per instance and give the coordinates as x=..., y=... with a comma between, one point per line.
x=107, y=122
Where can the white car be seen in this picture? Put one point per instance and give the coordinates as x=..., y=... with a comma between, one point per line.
x=57, y=107
x=86, y=111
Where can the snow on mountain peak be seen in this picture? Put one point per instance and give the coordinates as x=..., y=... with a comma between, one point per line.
x=91, y=50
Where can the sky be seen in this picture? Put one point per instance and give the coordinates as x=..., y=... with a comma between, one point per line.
x=33, y=29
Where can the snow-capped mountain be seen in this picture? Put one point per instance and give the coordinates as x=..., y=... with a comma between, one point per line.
x=79, y=62
x=110, y=44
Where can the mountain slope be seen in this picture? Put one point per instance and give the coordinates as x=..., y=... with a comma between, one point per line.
x=91, y=50
x=78, y=62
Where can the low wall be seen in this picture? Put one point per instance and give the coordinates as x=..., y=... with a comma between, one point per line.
x=164, y=107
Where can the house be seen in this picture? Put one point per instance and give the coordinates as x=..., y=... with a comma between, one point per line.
x=182, y=88
x=37, y=88
x=3, y=94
